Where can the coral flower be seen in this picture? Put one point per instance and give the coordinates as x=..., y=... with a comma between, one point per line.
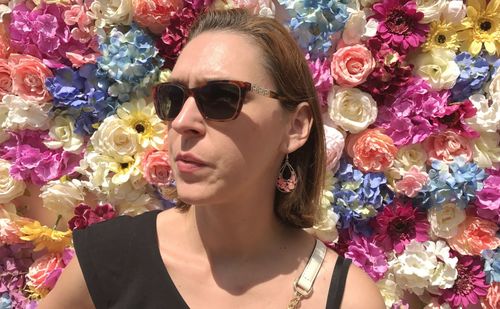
x=475, y=235
x=371, y=150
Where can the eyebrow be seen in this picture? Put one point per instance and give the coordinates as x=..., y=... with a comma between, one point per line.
x=198, y=81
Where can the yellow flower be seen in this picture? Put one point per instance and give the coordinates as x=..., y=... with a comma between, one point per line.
x=481, y=27
x=143, y=119
x=442, y=35
x=44, y=237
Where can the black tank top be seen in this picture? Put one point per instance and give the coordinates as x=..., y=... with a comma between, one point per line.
x=123, y=268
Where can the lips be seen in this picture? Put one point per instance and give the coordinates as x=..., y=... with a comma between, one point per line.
x=188, y=163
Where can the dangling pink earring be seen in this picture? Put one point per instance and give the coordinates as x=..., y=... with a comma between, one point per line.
x=286, y=185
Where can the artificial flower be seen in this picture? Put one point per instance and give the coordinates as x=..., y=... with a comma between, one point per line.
x=371, y=150
x=445, y=273
x=5, y=78
x=10, y=188
x=62, y=135
x=351, y=65
x=494, y=87
x=367, y=256
x=155, y=14
x=84, y=215
x=389, y=289
x=25, y=114
x=62, y=196
x=487, y=200
x=45, y=238
x=492, y=265
x=445, y=219
x=486, y=150
x=358, y=27
x=398, y=224
x=455, y=117
x=412, y=182
x=431, y=9
x=77, y=14
x=264, y=8
x=351, y=109
x=475, y=235
x=111, y=12
x=487, y=116
x=28, y=78
x=474, y=72
x=454, y=11
x=323, y=81
x=481, y=27
x=438, y=68
x=156, y=167
x=334, y=142
x=409, y=156
x=492, y=298
x=447, y=145
x=442, y=34
x=115, y=138
x=9, y=231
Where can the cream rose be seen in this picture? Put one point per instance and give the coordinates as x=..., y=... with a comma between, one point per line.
x=351, y=109
x=487, y=116
x=486, y=151
x=111, y=12
x=10, y=188
x=114, y=138
x=431, y=8
x=494, y=86
x=24, y=114
x=357, y=27
x=438, y=68
x=62, y=136
x=408, y=156
x=454, y=11
x=445, y=220
x=61, y=197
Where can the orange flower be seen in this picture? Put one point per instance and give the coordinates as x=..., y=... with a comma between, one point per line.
x=492, y=299
x=475, y=235
x=371, y=150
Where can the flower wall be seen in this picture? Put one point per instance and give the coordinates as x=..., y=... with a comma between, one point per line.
x=411, y=98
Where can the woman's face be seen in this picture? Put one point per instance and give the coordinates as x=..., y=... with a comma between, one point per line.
x=220, y=162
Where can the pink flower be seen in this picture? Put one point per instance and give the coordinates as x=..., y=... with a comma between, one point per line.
x=455, y=116
x=399, y=24
x=371, y=150
x=78, y=60
x=487, y=200
x=156, y=168
x=492, y=299
x=334, y=147
x=5, y=78
x=475, y=235
x=45, y=271
x=258, y=7
x=368, y=256
x=4, y=43
x=9, y=232
x=28, y=78
x=447, y=145
x=155, y=14
x=322, y=78
x=351, y=65
x=398, y=224
x=77, y=15
x=412, y=182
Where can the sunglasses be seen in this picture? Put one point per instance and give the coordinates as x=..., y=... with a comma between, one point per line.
x=219, y=100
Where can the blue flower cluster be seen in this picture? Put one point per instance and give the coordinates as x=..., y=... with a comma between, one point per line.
x=492, y=265
x=84, y=94
x=357, y=197
x=131, y=60
x=474, y=72
x=314, y=22
x=457, y=182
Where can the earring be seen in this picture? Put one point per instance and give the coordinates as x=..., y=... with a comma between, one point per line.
x=286, y=185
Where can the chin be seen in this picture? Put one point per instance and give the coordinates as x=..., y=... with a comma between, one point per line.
x=193, y=194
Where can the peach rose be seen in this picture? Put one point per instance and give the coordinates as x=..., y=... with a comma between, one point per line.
x=351, y=65
x=155, y=14
x=156, y=168
x=41, y=273
x=5, y=78
x=371, y=150
x=4, y=43
x=29, y=74
x=447, y=145
x=492, y=299
x=475, y=235
x=412, y=182
x=9, y=232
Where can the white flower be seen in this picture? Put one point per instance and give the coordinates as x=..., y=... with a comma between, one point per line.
x=24, y=114
x=10, y=188
x=4, y=111
x=487, y=116
x=351, y=109
x=445, y=273
x=445, y=219
x=62, y=135
x=334, y=141
x=438, y=68
x=431, y=8
x=494, y=86
x=131, y=197
x=434, y=304
x=357, y=27
x=62, y=196
x=486, y=149
x=115, y=139
x=389, y=290
x=111, y=12
x=408, y=156
x=454, y=11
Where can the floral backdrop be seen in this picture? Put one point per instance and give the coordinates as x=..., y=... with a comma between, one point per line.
x=410, y=92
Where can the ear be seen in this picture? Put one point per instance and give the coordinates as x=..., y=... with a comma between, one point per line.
x=301, y=121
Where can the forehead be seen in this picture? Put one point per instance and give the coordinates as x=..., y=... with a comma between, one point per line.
x=220, y=55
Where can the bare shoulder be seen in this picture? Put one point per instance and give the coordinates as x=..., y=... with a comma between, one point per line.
x=70, y=290
x=361, y=291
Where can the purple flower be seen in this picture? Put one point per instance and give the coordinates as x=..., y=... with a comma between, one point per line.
x=474, y=72
x=322, y=78
x=368, y=256
x=487, y=200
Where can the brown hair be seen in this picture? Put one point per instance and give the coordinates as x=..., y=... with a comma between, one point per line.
x=285, y=63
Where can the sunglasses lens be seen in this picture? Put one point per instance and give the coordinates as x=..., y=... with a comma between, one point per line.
x=219, y=100
x=169, y=101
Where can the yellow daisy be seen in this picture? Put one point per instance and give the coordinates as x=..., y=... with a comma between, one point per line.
x=442, y=35
x=124, y=170
x=45, y=237
x=481, y=27
x=141, y=116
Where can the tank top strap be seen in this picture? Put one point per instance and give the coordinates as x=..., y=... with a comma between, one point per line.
x=337, y=284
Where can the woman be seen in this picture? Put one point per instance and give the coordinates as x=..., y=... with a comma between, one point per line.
x=247, y=152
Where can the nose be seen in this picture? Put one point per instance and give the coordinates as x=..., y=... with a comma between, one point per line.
x=189, y=120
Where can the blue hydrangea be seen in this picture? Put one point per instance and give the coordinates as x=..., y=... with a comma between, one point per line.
x=357, y=197
x=131, y=60
x=313, y=23
x=474, y=72
x=457, y=182
x=492, y=265
x=5, y=302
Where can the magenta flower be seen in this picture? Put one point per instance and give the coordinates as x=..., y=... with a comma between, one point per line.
x=398, y=224
x=367, y=255
x=470, y=284
x=399, y=24
x=322, y=78
x=455, y=115
x=33, y=161
x=487, y=200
